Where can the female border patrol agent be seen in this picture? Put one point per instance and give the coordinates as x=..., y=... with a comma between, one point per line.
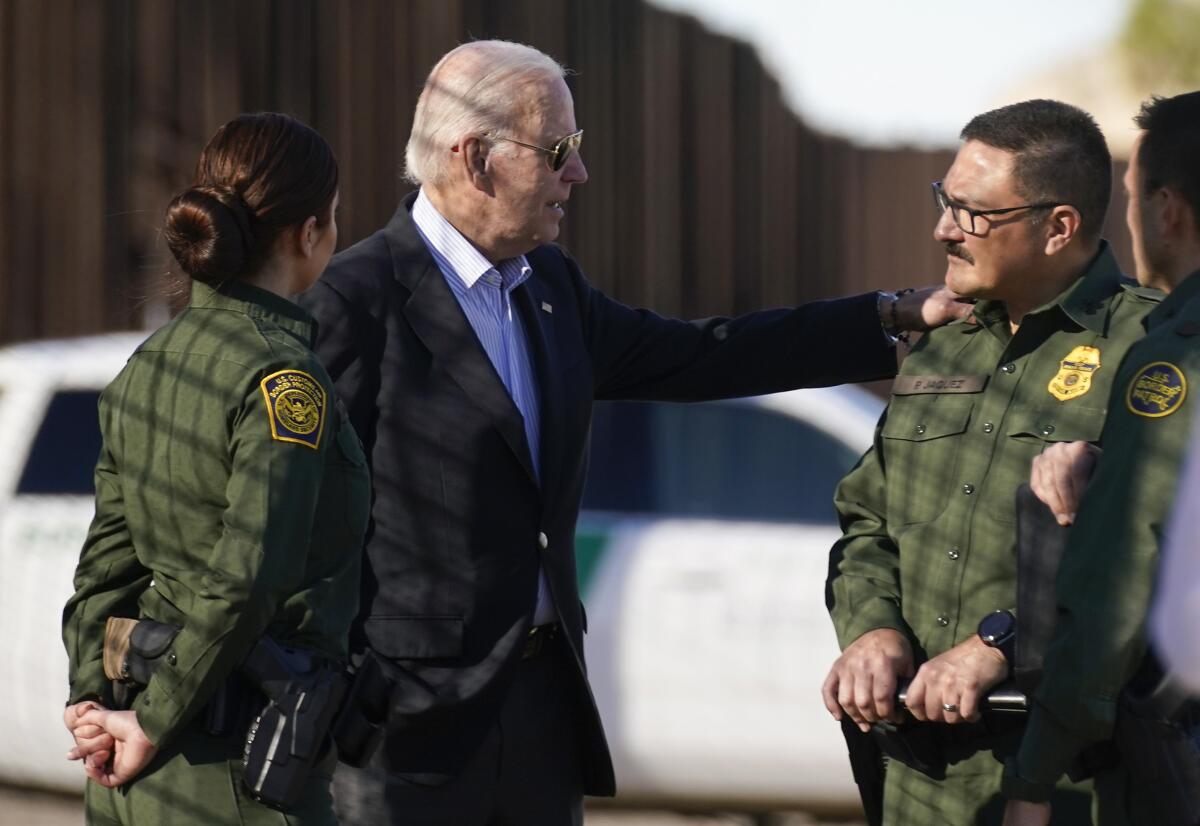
x=231, y=492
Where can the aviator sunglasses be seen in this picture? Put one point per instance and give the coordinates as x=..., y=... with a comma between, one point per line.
x=559, y=153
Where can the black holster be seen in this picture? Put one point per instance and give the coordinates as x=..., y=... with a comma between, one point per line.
x=291, y=733
x=309, y=704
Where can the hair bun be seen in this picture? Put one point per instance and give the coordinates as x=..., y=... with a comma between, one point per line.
x=208, y=231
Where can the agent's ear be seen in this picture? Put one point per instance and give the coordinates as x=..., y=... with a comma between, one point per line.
x=1062, y=225
x=1176, y=216
x=308, y=235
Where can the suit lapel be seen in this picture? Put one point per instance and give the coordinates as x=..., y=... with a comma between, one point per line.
x=438, y=320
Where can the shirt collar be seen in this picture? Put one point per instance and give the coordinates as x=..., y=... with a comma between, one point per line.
x=1085, y=301
x=457, y=255
x=238, y=296
x=1173, y=303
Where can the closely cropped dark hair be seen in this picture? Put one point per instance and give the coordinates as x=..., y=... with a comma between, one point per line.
x=1168, y=153
x=1060, y=155
x=258, y=175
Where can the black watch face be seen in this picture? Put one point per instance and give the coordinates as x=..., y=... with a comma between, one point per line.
x=996, y=626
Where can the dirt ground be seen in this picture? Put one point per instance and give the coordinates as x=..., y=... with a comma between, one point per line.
x=23, y=807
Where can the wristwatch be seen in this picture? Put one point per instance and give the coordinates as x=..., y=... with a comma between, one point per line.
x=999, y=630
x=889, y=319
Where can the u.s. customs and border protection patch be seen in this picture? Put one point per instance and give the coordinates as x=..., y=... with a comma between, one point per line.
x=1074, y=376
x=1157, y=390
x=295, y=406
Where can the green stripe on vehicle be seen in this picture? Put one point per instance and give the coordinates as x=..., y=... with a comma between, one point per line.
x=589, y=548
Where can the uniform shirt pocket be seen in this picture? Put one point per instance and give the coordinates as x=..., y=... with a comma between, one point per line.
x=920, y=448
x=1027, y=433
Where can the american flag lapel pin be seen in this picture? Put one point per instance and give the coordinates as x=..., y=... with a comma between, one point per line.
x=546, y=308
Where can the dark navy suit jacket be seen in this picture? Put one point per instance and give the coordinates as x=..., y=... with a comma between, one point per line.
x=453, y=552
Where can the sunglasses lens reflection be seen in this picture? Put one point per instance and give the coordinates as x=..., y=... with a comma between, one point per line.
x=563, y=150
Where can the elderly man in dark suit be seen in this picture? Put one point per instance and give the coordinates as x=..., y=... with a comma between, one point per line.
x=468, y=349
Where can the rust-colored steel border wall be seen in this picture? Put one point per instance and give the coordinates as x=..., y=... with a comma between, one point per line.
x=707, y=195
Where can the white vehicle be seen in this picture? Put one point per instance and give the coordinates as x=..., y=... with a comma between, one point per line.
x=702, y=552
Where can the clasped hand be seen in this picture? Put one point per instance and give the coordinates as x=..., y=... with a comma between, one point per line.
x=946, y=689
x=111, y=744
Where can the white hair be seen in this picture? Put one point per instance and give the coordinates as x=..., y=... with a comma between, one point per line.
x=476, y=88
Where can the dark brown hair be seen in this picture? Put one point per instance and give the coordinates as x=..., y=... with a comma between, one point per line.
x=1167, y=155
x=258, y=175
x=1060, y=155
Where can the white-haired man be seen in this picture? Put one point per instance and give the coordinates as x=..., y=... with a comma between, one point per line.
x=468, y=350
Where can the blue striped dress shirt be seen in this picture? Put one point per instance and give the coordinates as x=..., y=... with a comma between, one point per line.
x=484, y=292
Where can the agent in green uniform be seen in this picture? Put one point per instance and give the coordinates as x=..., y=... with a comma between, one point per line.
x=928, y=515
x=1108, y=569
x=231, y=491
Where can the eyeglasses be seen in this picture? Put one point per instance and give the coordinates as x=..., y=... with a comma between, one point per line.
x=559, y=153
x=966, y=218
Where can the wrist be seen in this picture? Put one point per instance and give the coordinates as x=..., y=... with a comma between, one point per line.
x=887, y=305
x=998, y=632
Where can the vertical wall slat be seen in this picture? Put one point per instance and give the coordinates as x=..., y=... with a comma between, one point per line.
x=706, y=194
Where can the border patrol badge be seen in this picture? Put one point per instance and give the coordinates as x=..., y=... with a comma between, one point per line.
x=1074, y=376
x=1157, y=390
x=295, y=406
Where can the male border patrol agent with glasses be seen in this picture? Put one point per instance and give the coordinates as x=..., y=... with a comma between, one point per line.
x=1107, y=573
x=928, y=515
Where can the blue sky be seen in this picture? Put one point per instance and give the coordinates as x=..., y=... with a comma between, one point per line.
x=890, y=71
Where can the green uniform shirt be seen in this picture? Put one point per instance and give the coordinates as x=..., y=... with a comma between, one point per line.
x=231, y=500
x=928, y=515
x=1107, y=572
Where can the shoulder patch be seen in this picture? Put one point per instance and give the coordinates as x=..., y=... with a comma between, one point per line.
x=1157, y=390
x=295, y=407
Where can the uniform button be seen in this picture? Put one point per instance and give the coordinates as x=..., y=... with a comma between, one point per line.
x=952, y=553
x=968, y=489
x=1047, y=430
x=1009, y=368
x=543, y=541
x=943, y=620
x=171, y=658
x=920, y=429
x=988, y=427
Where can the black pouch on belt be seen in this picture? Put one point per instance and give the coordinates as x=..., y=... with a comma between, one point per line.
x=133, y=650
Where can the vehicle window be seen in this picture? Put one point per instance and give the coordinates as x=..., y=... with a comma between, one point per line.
x=713, y=460
x=64, y=451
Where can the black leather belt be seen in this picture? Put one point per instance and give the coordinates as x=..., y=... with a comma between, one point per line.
x=538, y=640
